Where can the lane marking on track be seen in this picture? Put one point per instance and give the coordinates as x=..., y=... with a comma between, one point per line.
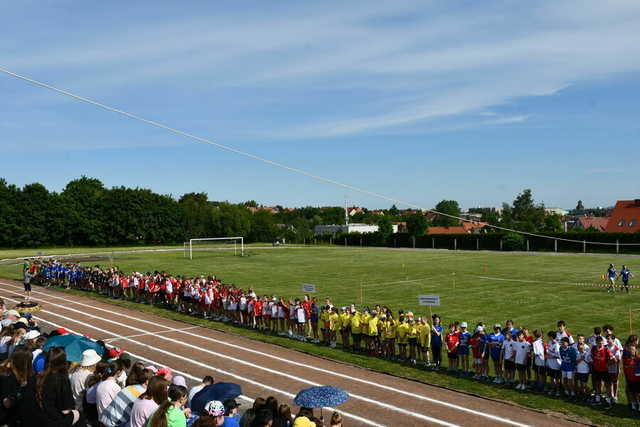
x=329, y=372
x=233, y=359
x=135, y=356
x=149, y=333
x=221, y=371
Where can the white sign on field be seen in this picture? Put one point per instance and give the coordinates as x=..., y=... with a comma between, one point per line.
x=431, y=300
x=308, y=287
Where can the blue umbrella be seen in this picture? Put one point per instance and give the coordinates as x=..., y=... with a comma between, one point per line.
x=217, y=391
x=73, y=346
x=321, y=396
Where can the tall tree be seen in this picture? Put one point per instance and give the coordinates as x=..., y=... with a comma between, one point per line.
x=417, y=224
x=449, y=207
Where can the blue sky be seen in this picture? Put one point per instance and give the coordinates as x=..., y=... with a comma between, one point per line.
x=417, y=100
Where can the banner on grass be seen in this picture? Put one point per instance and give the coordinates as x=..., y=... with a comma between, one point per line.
x=308, y=287
x=431, y=300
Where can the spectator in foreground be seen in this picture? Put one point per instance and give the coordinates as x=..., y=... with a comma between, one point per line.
x=305, y=418
x=249, y=415
x=108, y=388
x=16, y=373
x=149, y=401
x=336, y=420
x=208, y=380
x=170, y=412
x=284, y=418
x=231, y=415
x=264, y=418
x=119, y=410
x=50, y=402
x=79, y=378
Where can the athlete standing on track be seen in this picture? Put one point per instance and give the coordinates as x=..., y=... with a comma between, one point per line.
x=625, y=274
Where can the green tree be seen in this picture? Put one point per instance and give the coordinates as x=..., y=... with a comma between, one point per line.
x=448, y=207
x=394, y=211
x=417, y=224
x=384, y=226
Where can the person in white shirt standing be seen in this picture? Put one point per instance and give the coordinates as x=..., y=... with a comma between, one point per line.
x=553, y=363
x=539, y=360
x=583, y=368
x=522, y=350
x=508, y=357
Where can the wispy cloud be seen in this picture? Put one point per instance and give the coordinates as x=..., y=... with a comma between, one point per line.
x=334, y=70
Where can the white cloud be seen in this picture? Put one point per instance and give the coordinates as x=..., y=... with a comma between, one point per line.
x=379, y=71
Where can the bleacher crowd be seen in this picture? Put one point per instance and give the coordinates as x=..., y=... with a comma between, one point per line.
x=580, y=367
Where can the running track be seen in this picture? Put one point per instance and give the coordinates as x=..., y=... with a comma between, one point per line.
x=263, y=369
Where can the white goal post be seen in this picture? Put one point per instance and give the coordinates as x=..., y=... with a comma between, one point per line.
x=235, y=240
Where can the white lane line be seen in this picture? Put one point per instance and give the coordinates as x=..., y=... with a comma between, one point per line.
x=135, y=356
x=221, y=371
x=325, y=371
x=149, y=333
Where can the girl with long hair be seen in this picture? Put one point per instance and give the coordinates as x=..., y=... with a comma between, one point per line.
x=148, y=402
x=17, y=372
x=170, y=413
x=50, y=401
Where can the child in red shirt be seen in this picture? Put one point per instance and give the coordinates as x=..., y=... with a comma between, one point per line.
x=600, y=356
x=452, y=339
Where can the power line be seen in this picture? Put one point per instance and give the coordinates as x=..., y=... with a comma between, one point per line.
x=280, y=165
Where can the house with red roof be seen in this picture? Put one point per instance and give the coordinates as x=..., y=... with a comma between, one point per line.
x=465, y=228
x=595, y=222
x=625, y=217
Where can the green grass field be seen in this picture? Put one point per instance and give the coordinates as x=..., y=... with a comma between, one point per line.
x=535, y=290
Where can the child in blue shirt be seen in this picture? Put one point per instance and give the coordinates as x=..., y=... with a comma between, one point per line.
x=569, y=356
x=463, y=348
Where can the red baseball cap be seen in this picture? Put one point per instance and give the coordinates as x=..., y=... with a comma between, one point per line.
x=114, y=352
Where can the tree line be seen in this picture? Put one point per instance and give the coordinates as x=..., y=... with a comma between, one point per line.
x=86, y=213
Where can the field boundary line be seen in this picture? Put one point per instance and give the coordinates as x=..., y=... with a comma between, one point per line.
x=299, y=364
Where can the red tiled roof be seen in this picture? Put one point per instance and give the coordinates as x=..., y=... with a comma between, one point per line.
x=625, y=217
x=470, y=226
x=597, y=222
x=458, y=229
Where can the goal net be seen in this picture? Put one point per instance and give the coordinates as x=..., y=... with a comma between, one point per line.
x=231, y=244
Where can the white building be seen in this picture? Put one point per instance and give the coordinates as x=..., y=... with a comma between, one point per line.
x=350, y=228
x=556, y=211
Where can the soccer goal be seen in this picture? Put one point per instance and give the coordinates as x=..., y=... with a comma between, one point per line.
x=214, y=243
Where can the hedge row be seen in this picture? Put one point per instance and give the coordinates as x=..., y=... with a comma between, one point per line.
x=596, y=242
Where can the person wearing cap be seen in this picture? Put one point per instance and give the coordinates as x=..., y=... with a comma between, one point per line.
x=8, y=343
x=80, y=376
x=463, y=349
x=495, y=341
x=10, y=317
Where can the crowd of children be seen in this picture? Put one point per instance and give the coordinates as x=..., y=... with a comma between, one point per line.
x=578, y=367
